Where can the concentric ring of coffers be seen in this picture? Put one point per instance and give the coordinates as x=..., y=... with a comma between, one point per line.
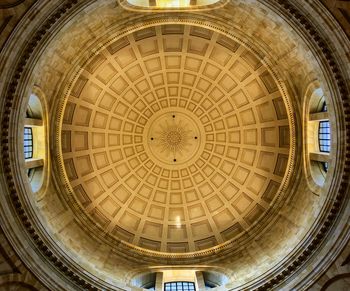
x=213, y=112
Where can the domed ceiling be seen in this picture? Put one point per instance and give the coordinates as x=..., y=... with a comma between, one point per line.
x=176, y=141
x=175, y=138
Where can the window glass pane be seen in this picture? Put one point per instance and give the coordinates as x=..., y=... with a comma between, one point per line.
x=28, y=143
x=324, y=136
x=179, y=286
x=171, y=3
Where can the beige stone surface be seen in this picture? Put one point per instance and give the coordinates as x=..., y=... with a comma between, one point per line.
x=175, y=141
x=175, y=152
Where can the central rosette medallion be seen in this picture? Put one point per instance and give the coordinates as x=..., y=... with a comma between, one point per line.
x=173, y=137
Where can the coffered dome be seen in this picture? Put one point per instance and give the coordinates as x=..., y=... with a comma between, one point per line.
x=175, y=138
x=143, y=144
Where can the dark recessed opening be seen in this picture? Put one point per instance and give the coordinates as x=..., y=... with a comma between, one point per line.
x=145, y=281
x=324, y=166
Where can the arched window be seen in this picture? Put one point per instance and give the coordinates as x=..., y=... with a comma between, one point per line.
x=34, y=142
x=179, y=286
x=171, y=5
x=318, y=132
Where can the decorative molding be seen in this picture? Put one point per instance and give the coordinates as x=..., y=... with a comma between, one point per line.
x=11, y=4
x=289, y=11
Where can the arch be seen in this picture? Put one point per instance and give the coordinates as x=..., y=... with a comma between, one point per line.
x=317, y=100
x=145, y=280
x=337, y=283
x=317, y=136
x=10, y=3
x=316, y=245
x=34, y=108
x=35, y=140
x=214, y=279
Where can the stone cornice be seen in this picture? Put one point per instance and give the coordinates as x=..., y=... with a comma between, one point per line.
x=288, y=271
